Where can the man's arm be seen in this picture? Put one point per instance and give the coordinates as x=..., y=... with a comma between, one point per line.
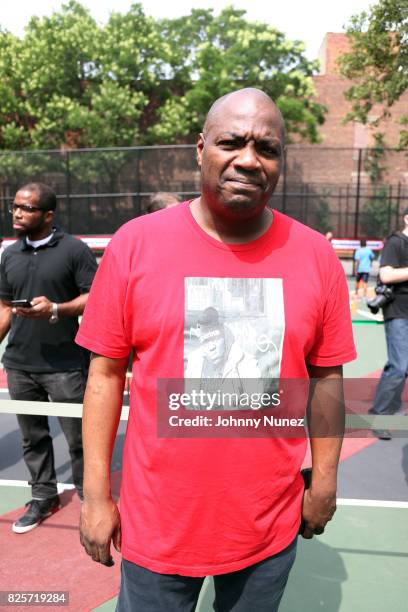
x=42, y=308
x=326, y=424
x=390, y=275
x=100, y=519
x=391, y=259
x=5, y=319
x=356, y=262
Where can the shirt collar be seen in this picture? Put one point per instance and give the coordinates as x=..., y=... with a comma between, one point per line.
x=56, y=237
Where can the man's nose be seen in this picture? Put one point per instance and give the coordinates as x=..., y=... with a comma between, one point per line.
x=248, y=157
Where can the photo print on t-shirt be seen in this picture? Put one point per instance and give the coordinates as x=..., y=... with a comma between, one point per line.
x=233, y=335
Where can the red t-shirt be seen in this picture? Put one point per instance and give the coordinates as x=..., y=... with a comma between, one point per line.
x=207, y=506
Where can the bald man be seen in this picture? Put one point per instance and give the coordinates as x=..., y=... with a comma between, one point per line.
x=196, y=499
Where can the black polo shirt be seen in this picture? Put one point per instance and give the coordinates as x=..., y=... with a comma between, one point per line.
x=60, y=270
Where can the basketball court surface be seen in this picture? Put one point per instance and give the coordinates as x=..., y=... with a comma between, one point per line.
x=360, y=563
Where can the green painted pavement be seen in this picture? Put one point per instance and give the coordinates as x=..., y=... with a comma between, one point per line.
x=365, y=322
x=360, y=563
x=13, y=497
x=371, y=351
x=108, y=606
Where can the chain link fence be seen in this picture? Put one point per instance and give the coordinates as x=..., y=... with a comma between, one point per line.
x=352, y=192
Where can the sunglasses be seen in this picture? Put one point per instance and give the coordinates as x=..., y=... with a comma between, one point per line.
x=24, y=208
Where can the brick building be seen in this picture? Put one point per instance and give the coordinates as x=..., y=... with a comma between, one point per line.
x=329, y=184
x=330, y=88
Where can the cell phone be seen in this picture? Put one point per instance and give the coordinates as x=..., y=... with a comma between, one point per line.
x=21, y=303
x=307, y=479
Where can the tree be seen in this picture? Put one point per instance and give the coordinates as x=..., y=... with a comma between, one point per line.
x=377, y=214
x=209, y=56
x=71, y=83
x=378, y=61
x=379, y=208
x=58, y=88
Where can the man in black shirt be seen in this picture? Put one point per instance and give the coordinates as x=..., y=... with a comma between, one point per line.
x=53, y=272
x=394, y=271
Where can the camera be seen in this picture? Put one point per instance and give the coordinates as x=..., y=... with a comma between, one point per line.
x=384, y=295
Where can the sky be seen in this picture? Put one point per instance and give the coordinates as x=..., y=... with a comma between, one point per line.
x=298, y=19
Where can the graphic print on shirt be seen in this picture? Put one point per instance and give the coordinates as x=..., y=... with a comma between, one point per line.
x=233, y=333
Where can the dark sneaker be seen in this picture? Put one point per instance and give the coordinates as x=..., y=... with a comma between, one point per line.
x=382, y=434
x=37, y=511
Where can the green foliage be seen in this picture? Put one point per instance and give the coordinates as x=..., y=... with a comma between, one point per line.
x=378, y=60
x=321, y=216
x=71, y=83
x=373, y=163
x=377, y=213
x=17, y=167
x=209, y=56
x=403, y=144
x=59, y=88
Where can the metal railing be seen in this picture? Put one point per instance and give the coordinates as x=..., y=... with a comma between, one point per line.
x=352, y=192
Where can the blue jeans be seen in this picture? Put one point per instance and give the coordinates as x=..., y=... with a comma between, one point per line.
x=258, y=587
x=388, y=394
x=37, y=443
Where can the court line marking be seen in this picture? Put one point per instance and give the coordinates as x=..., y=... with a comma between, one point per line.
x=341, y=501
x=61, y=486
x=370, y=315
x=364, y=313
x=372, y=503
x=48, y=408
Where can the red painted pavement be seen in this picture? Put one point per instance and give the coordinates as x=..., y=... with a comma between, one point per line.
x=350, y=447
x=50, y=558
x=3, y=379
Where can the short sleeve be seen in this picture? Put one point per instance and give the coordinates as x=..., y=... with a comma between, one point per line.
x=6, y=291
x=335, y=344
x=102, y=328
x=390, y=255
x=85, y=267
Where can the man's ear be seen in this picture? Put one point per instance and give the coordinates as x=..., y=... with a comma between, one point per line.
x=49, y=216
x=199, y=148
